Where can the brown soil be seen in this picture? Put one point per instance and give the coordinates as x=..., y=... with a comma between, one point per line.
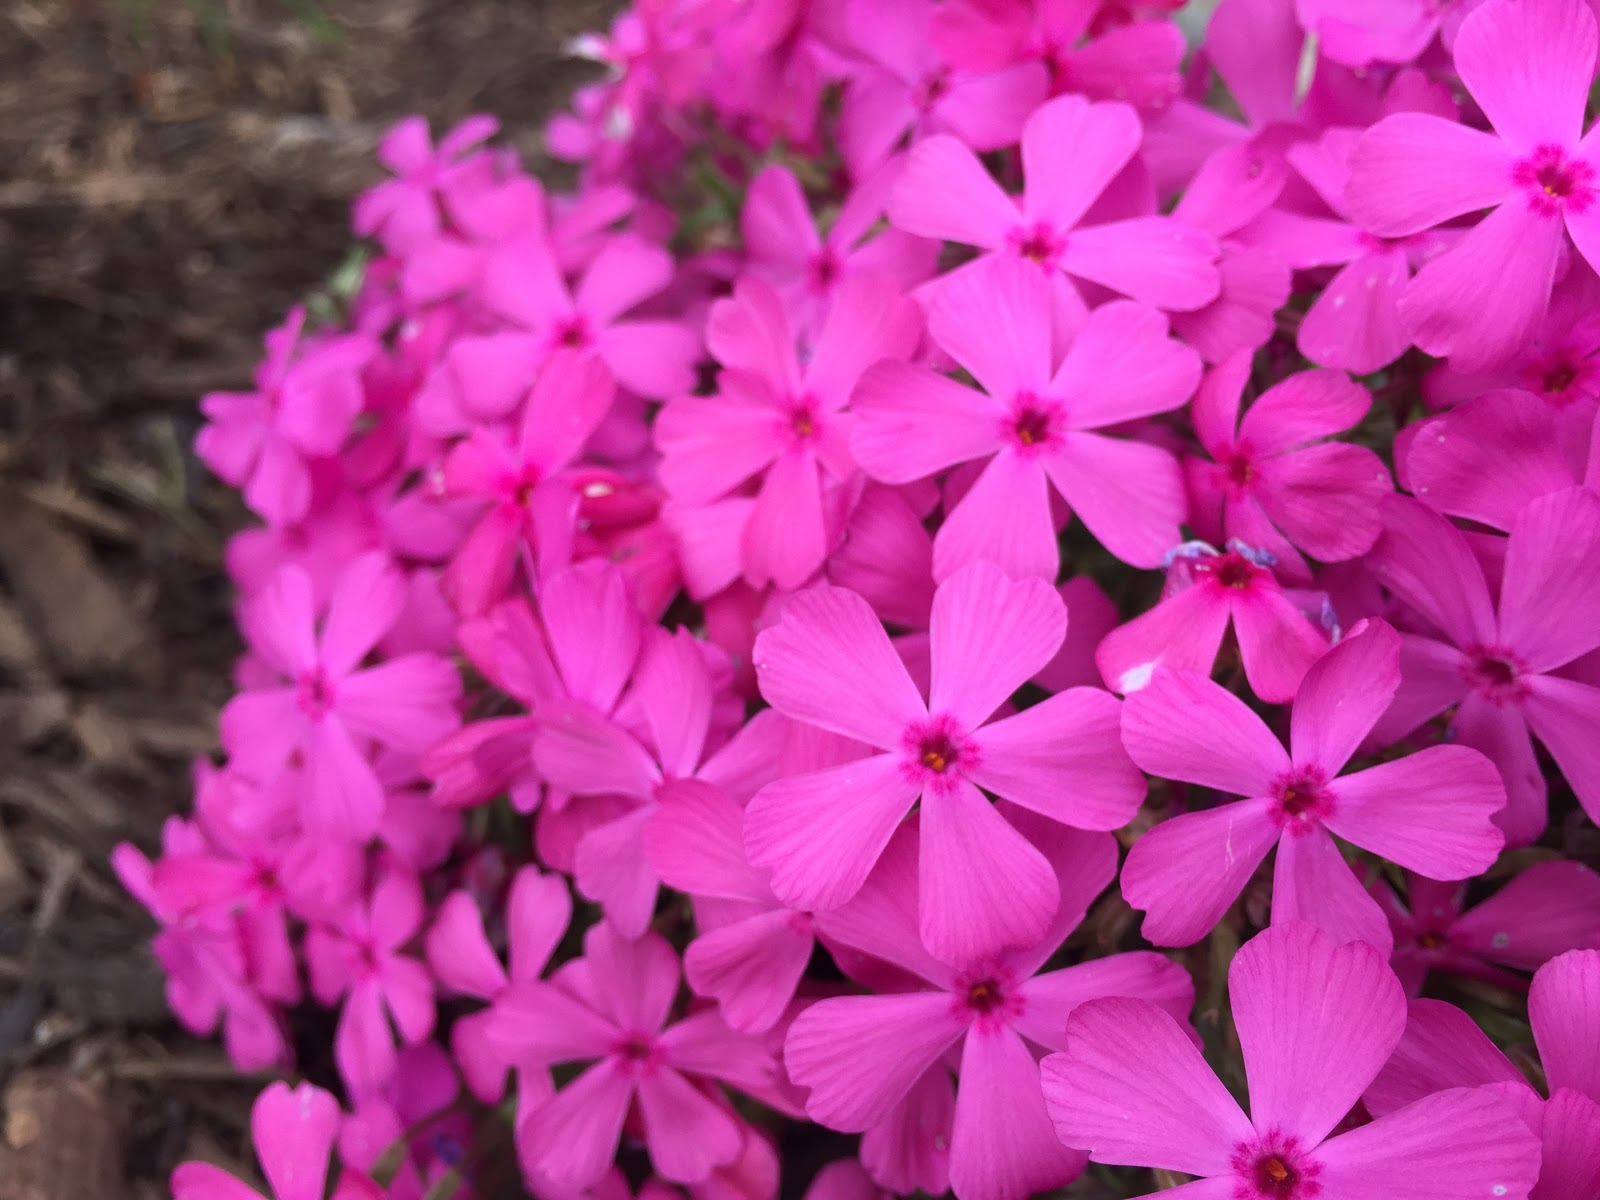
x=173, y=175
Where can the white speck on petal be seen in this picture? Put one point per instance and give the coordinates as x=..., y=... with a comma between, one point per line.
x=1500, y=940
x=1136, y=678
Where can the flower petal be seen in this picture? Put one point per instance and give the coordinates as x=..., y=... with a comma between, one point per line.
x=1317, y=1020
x=1132, y=1089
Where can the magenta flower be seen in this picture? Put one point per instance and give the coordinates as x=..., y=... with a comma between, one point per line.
x=780, y=419
x=784, y=246
x=308, y=393
x=1546, y=910
x=1207, y=591
x=610, y=1008
x=332, y=711
x=1430, y=812
x=537, y=911
x=1442, y=1049
x=207, y=964
x=861, y=1055
x=530, y=507
x=293, y=1132
x=984, y=887
x=1036, y=421
x=649, y=355
x=674, y=697
x=404, y=212
x=1498, y=662
x=1274, y=480
x=1316, y=1022
x=361, y=959
x=1489, y=458
x=903, y=85
x=1072, y=150
x=1529, y=67
x=1355, y=322
x=582, y=645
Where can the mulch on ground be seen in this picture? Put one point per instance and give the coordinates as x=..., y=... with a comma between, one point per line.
x=174, y=174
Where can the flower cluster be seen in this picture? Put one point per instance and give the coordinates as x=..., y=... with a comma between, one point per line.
x=976, y=524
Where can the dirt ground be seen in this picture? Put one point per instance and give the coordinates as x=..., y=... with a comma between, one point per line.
x=173, y=175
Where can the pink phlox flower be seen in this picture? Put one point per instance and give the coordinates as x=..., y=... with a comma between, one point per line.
x=650, y=355
x=1444, y=1048
x=242, y=878
x=451, y=263
x=784, y=246
x=829, y=663
x=405, y=212
x=1529, y=67
x=293, y=1131
x=1560, y=363
x=674, y=693
x=1500, y=663
x=1087, y=49
x=208, y=972
x=1316, y=1022
x=530, y=508
x=1355, y=322
x=1278, y=479
x=945, y=192
x=987, y=1022
x=1488, y=459
x=1207, y=591
x=538, y=910
x=1237, y=184
x=779, y=418
x=332, y=711
x=1546, y=910
x=581, y=645
x=902, y=84
x=362, y=960
x=611, y=1008
x=752, y=950
x=308, y=393
x=415, y=1116
x=1429, y=812
x=1038, y=422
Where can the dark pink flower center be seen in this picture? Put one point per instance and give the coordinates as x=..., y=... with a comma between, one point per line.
x=1240, y=470
x=987, y=996
x=803, y=420
x=1034, y=422
x=825, y=269
x=939, y=753
x=1038, y=243
x=573, y=333
x=519, y=491
x=1233, y=570
x=932, y=88
x=1303, y=799
x=1562, y=377
x=1555, y=182
x=316, y=693
x=638, y=1054
x=1275, y=1167
x=1494, y=673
